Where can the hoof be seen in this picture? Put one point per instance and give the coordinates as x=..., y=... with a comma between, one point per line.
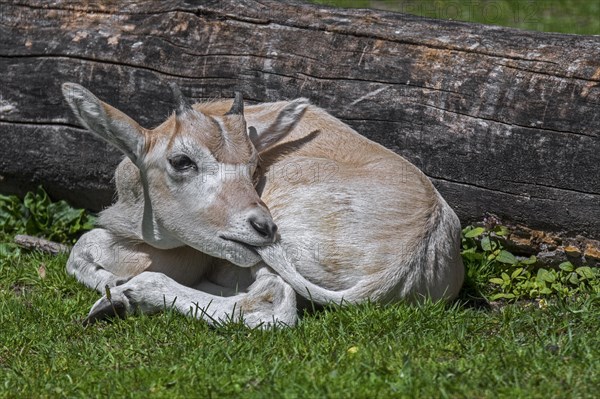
x=105, y=310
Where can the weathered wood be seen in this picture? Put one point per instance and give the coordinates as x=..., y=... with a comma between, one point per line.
x=502, y=120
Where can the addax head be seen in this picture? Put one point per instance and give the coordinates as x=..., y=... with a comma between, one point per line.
x=196, y=171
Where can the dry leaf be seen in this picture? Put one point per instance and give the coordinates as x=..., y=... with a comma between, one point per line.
x=42, y=271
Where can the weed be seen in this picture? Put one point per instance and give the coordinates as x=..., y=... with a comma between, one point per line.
x=37, y=215
x=514, y=278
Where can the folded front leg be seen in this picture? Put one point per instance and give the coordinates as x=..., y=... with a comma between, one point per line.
x=269, y=301
x=99, y=259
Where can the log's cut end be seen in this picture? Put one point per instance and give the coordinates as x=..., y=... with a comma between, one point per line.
x=502, y=120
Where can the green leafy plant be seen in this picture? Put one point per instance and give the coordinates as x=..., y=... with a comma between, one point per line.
x=513, y=278
x=566, y=281
x=37, y=215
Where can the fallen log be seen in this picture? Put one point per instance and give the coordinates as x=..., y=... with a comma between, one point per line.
x=502, y=120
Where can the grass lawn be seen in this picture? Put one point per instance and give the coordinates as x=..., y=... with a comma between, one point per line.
x=566, y=16
x=520, y=350
x=530, y=348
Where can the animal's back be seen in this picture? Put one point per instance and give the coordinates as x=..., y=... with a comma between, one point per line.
x=351, y=212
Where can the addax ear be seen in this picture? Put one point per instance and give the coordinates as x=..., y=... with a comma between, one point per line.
x=105, y=121
x=281, y=127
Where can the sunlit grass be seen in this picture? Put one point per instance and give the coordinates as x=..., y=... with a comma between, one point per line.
x=367, y=351
x=469, y=348
x=566, y=16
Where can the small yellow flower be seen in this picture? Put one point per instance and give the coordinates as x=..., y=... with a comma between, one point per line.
x=352, y=350
x=543, y=304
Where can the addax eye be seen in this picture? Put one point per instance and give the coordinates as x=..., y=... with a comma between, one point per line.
x=182, y=162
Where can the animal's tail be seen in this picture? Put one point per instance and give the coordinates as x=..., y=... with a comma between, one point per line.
x=433, y=270
x=276, y=258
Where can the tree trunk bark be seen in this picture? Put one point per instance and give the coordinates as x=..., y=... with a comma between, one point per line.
x=502, y=120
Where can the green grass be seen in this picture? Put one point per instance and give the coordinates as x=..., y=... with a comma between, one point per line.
x=527, y=347
x=368, y=351
x=566, y=16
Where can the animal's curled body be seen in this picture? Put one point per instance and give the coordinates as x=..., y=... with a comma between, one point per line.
x=339, y=218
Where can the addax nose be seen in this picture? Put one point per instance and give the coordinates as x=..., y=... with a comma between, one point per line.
x=263, y=226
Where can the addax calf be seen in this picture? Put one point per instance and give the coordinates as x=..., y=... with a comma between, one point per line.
x=228, y=213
